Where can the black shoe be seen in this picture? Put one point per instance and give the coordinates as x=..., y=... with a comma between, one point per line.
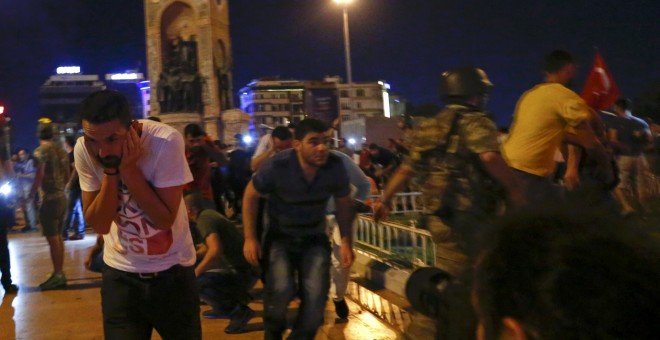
x=10, y=288
x=76, y=237
x=341, y=308
x=239, y=320
x=214, y=314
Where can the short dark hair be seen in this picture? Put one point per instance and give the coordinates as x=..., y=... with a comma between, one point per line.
x=624, y=103
x=373, y=146
x=45, y=131
x=104, y=106
x=193, y=130
x=556, y=60
x=70, y=141
x=194, y=199
x=309, y=125
x=568, y=275
x=282, y=133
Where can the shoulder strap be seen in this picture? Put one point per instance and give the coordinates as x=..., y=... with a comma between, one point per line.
x=451, y=139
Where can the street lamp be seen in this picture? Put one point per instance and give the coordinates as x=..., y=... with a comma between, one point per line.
x=347, y=42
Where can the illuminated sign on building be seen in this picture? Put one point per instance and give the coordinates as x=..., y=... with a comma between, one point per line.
x=68, y=70
x=124, y=76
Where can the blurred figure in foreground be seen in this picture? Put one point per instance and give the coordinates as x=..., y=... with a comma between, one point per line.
x=556, y=275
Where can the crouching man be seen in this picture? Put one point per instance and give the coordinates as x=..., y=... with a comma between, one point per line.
x=298, y=184
x=224, y=278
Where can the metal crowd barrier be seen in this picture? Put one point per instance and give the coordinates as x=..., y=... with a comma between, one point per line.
x=404, y=202
x=395, y=240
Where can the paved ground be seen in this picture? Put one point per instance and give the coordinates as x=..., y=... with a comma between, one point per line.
x=75, y=313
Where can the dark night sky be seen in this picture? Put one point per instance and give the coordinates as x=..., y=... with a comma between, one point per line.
x=406, y=42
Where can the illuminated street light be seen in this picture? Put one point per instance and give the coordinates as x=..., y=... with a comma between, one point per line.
x=347, y=42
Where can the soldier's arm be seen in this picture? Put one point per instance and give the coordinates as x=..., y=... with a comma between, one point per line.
x=396, y=183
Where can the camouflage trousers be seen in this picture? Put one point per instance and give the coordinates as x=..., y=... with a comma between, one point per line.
x=456, y=240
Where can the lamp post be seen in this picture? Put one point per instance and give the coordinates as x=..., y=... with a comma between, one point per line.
x=347, y=52
x=347, y=41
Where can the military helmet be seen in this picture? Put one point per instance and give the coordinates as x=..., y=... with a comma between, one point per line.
x=464, y=82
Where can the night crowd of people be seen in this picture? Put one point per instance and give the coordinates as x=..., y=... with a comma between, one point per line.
x=535, y=222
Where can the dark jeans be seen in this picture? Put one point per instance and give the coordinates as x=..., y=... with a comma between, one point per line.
x=539, y=191
x=5, y=266
x=133, y=306
x=226, y=288
x=74, y=214
x=309, y=258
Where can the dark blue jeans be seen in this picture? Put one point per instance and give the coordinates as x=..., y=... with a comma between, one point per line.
x=226, y=288
x=134, y=306
x=309, y=258
x=74, y=215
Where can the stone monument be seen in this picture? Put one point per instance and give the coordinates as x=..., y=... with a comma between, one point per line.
x=189, y=62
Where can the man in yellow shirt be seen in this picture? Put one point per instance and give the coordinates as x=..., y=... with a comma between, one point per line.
x=545, y=116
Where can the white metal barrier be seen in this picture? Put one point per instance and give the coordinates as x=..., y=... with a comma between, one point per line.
x=395, y=239
x=404, y=202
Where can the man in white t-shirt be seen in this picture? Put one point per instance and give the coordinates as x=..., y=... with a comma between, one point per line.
x=132, y=175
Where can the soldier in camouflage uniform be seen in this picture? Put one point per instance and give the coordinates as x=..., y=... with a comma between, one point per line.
x=455, y=157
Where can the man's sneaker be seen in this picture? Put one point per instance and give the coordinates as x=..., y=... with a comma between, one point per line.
x=341, y=308
x=54, y=282
x=239, y=320
x=76, y=237
x=10, y=288
x=214, y=314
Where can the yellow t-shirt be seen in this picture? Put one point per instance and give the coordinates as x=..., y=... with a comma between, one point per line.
x=539, y=124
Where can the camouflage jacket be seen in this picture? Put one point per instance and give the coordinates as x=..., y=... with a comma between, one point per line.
x=448, y=167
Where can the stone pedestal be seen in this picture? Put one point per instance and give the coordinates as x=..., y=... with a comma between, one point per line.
x=233, y=122
x=189, y=61
x=180, y=120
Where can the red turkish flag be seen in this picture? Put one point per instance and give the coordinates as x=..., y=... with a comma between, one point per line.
x=600, y=90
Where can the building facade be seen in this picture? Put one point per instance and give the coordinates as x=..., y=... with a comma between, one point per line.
x=276, y=102
x=273, y=102
x=60, y=97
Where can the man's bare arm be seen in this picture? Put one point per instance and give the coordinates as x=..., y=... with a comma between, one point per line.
x=345, y=216
x=256, y=161
x=212, y=255
x=38, y=178
x=160, y=204
x=572, y=175
x=100, y=207
x=251, y=248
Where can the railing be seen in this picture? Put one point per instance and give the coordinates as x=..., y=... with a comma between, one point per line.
x=404, y=203
x=395, y=240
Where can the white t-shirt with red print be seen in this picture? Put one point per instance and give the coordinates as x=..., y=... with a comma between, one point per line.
x=133, y=244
